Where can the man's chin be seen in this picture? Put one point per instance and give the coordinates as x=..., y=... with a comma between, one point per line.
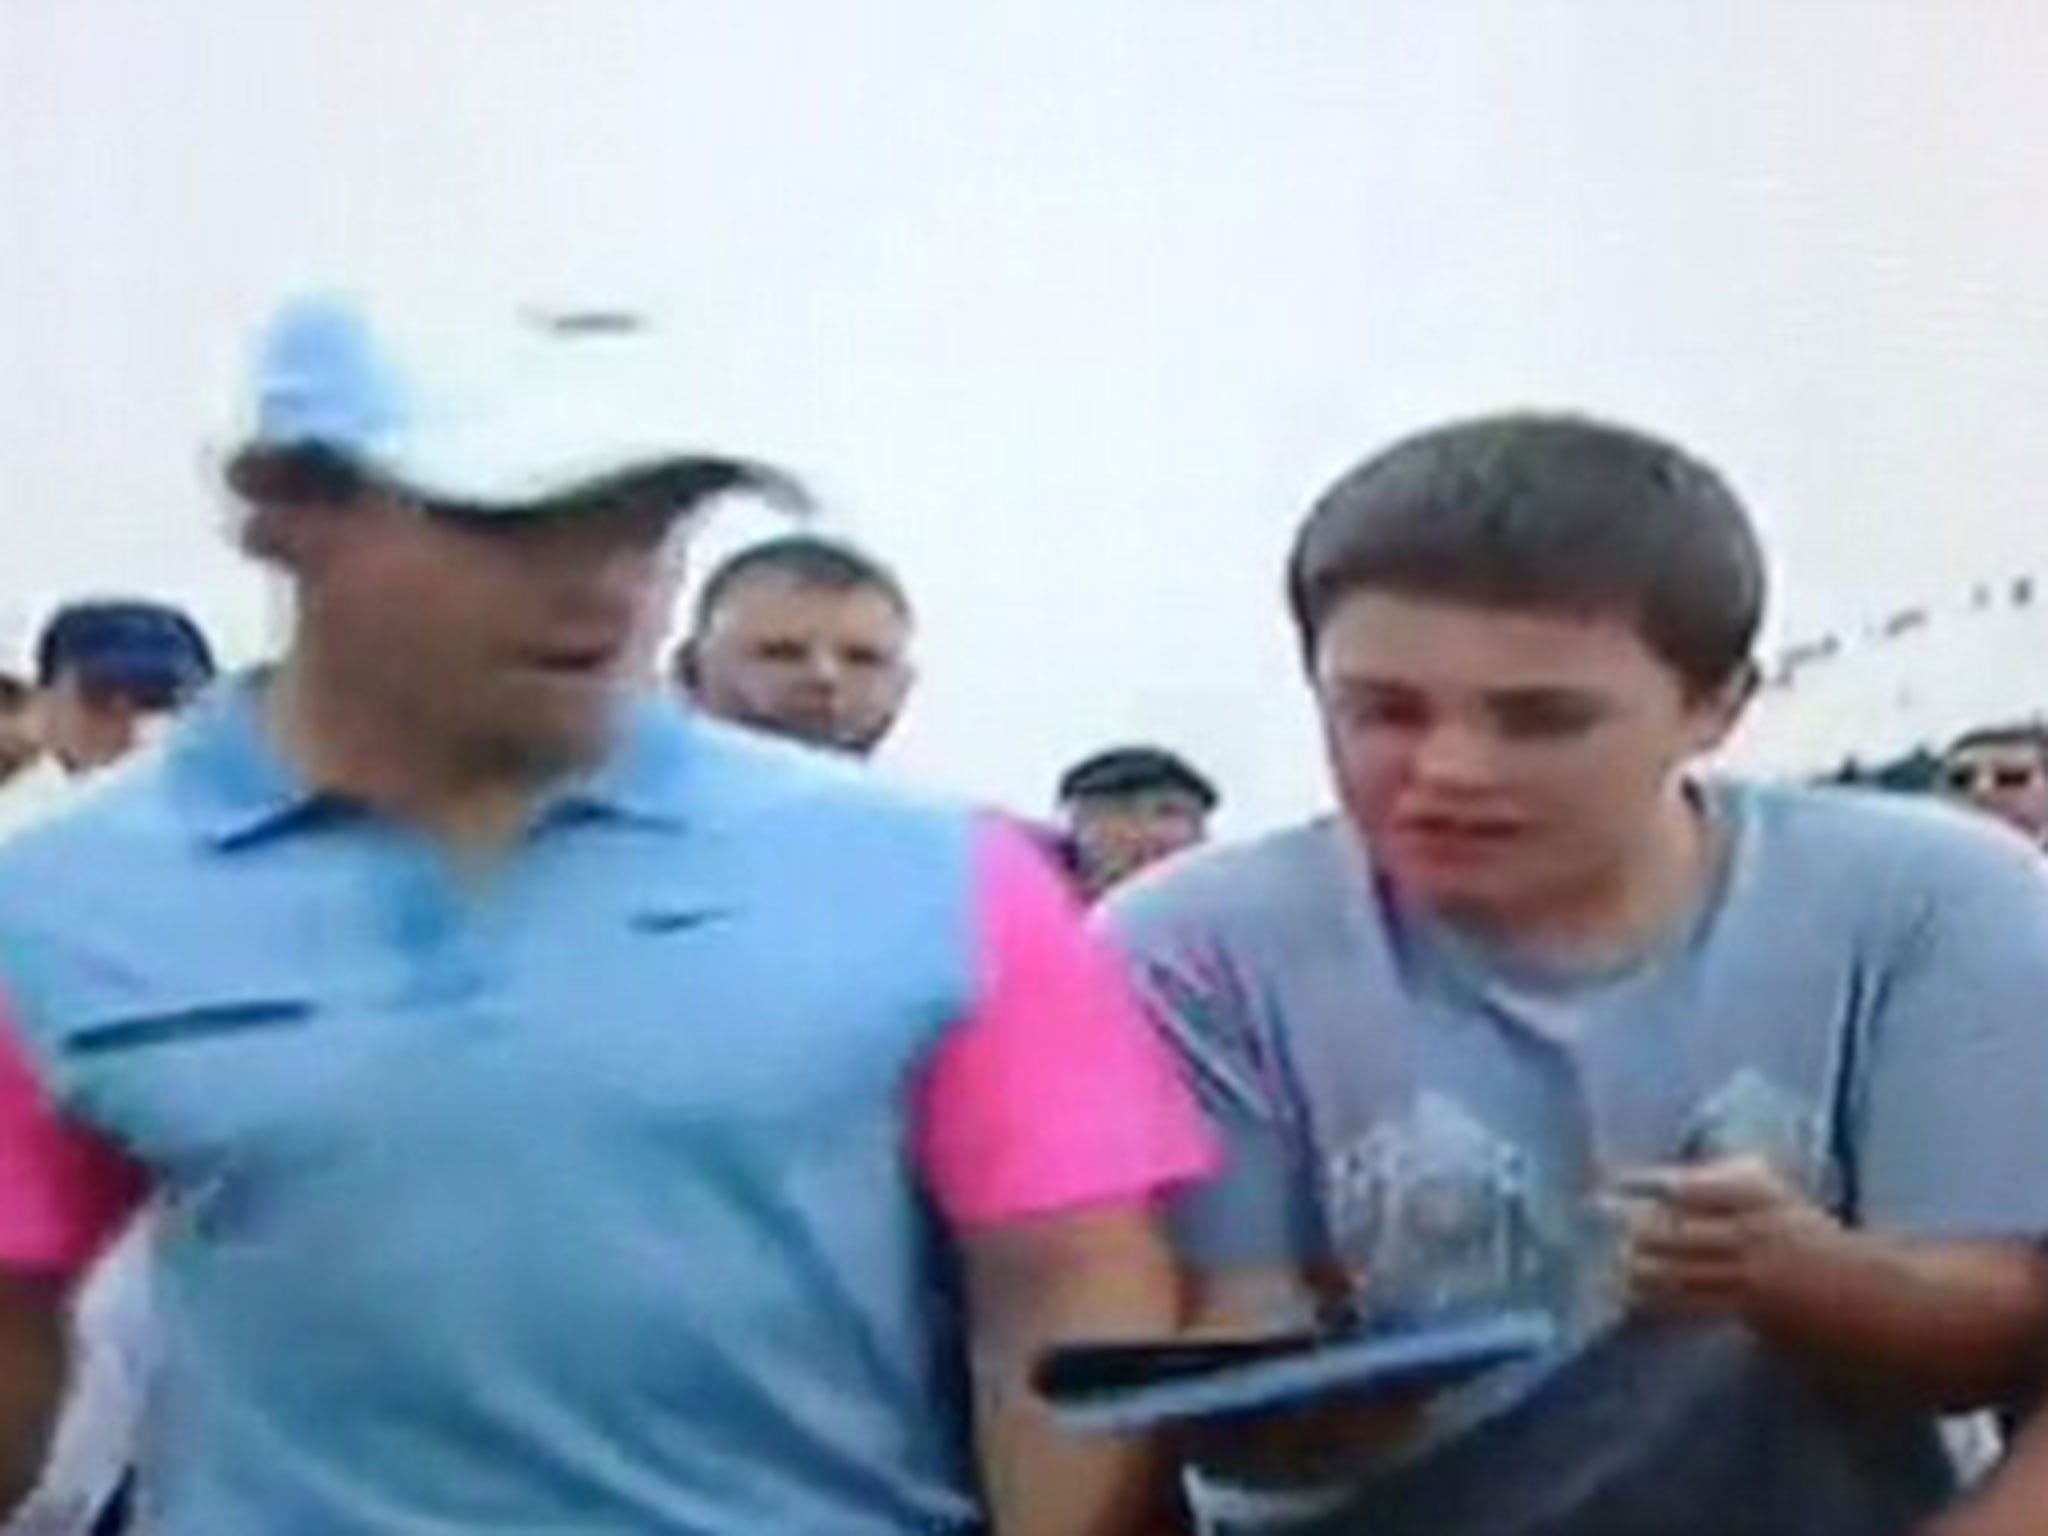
x=862, y=743
x=828, y=736
x=543, y=751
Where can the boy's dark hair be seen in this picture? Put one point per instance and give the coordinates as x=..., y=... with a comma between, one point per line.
x=809, y=561
x=1546, y=513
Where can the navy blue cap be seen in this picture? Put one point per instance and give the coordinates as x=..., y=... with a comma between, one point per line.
x=135, y=645
x=1135, y=771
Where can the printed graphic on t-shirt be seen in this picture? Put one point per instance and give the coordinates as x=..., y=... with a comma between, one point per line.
x=1751, y=1116
x=1433, y=1214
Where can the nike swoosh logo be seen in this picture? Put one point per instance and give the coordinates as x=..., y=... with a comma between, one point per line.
x=680, y=921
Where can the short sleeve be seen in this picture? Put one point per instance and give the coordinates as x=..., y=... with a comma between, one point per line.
x=63, y=1191
x=1052, y=1093
x=1951, y=1137
x=1260, y=1210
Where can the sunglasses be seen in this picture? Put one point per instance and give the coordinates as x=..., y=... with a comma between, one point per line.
x=1965, y=778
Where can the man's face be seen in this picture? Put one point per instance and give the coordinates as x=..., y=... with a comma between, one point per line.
x=90, y=723
x=1117, y=836
x=2007, y=779
x=20, y=736
x=824, y=665
x=1499, y=763
x=509, y=642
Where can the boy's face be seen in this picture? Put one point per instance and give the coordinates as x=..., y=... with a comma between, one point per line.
x=20, y=739
x=1500, y=761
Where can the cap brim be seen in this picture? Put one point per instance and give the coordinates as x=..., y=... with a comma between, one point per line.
x=519, y=479
x=683, y=482
x=522, y=463
x=1123, y=783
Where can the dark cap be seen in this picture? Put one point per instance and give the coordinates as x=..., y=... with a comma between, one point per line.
x=1134, y=771
x=147, y=648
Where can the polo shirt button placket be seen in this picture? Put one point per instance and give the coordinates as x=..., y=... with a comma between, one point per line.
x=446, y=949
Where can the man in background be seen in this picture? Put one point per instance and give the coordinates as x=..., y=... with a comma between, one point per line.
x=2003, y=771
x=1129, y=808
x=107, y=669
x=802, y=637
x=109, y=673
x=20, y=746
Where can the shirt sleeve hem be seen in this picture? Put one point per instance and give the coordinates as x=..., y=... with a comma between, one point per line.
x=1043, y=1198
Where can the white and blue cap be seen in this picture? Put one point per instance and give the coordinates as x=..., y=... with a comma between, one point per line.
x=514, y=416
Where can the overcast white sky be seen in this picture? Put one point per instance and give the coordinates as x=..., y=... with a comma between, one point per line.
x=1069, y=305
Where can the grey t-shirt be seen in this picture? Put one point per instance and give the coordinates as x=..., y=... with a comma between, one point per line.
x=1862, y=997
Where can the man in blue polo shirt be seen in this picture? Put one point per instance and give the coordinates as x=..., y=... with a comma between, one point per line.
x=1741, y=1084
x=562, y=1115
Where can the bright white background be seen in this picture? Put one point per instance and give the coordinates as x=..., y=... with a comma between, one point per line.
x=1069, y=305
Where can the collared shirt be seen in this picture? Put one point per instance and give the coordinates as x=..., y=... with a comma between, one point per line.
x=594, y=1197
x=1857, y=999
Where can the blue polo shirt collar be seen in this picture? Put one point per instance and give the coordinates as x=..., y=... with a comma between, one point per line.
x=240, y=788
